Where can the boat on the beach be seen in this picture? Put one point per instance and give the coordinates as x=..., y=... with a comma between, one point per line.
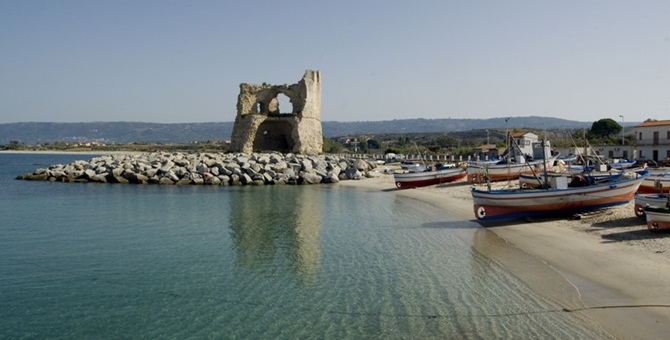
x=649, y=200
x=560, y=198
x=441, y=174
x=484, y=162
x=656, y=182
x=525, y=153
x=413, y=166
x=622, y=164
x=533, y=180
x=658, y=218
x=501, y=171
x=568, y=159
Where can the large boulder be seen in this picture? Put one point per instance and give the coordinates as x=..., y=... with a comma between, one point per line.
x=310, y=178
x=361, y=165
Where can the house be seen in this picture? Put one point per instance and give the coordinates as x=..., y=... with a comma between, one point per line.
x=653, y=140
x=530, y=144
x=486, y=152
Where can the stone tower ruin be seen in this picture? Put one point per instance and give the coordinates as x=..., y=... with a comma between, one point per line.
x=260, y=126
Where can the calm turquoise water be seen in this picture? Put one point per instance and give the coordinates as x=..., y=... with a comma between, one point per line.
x=127, y=261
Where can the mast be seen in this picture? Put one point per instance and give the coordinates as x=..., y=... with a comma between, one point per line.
x=544, y=163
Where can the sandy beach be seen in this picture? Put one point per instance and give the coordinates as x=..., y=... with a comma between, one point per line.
x=606, y=266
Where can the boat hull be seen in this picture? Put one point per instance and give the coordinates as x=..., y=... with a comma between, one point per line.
x=655, y=183
x=648, y=200
x=529, y=180
x=504, y=204
x=658, y=218
x=502, y=172
x=419, y=179
x=622, y=165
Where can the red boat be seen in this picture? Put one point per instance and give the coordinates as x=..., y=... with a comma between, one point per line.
x=429, y=177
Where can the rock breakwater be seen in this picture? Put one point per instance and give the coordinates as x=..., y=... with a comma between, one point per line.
x=208, y=169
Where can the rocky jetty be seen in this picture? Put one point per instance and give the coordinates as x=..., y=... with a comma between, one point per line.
x=208, y=169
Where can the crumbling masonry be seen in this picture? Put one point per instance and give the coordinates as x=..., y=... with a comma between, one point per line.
x=260, y=126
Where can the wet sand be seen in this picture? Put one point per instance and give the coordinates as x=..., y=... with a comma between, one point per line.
x=608, y=267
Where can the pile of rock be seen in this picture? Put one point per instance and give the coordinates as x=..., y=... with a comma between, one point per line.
x=208, y=168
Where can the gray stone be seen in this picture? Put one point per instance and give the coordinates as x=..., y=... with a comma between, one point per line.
x=257, y=182
x=361, y=165
x=310, y=178
x=245, y=179
x=306, y=165
x=373, y=174
x=213, y=180
x=235, y=179
x=117, y=172
x=184, y=181
x=353, y=173
x=331, y=178
x=89, y=173
x=165, y=181
x=280, y=166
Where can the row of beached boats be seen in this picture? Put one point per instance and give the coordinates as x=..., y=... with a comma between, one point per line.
x=548, y=186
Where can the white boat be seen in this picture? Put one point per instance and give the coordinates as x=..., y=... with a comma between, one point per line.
x=504, y=171
x=524, y=154
x=622, y=164
x=407, y=165
x=656, y=182
x=559, y=199
x=428, y=177
x=532, y=180
x=658, y=218
x=649, y=200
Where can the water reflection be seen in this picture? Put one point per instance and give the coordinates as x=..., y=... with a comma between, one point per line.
x=284, y=238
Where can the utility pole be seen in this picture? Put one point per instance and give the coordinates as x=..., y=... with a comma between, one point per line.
x=487, y=137
x=622, y=128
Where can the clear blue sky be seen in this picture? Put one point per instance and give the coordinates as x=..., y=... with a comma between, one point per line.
x=183, y=61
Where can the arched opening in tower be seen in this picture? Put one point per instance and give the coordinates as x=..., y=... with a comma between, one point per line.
x=285, y=107
x=274, y=135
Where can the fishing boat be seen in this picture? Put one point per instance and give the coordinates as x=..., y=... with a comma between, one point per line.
x=407, y=164
x=622, y=164
x=560, y=198
x=658, y=218
x=440, y=174
x=652, y=183
x=501, y=171
x=648, y=200
x=533, y=180
x=525, y=153
x=569, y=159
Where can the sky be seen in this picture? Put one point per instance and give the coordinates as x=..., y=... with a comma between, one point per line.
x=183, y=61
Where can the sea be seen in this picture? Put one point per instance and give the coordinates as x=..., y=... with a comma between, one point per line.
x=114, y=261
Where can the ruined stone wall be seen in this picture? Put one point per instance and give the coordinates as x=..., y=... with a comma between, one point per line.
x=260, y=126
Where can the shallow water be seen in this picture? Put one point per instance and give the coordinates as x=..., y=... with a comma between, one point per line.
x=325, y=261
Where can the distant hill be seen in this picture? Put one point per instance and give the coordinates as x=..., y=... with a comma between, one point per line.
x=126, y=132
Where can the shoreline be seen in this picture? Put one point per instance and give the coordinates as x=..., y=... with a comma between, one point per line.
x=608, y=268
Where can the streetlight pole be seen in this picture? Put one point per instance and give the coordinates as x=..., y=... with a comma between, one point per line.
x=487, y=137
x=622, y=128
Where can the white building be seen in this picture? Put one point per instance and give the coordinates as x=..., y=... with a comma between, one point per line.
x=653, y=140
x=530, y=144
